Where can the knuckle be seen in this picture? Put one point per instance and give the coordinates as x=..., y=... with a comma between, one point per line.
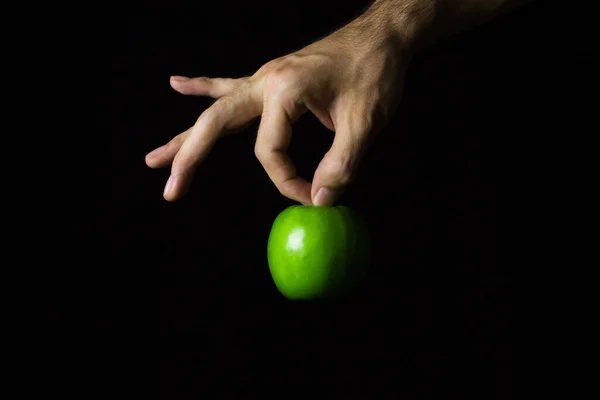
x=202, y=79
x=207, y=115
x=345, y=176
x=267, y=158
x=282, y=79
x=261, y=152
x=267, y=66
x=342, y=168
x=210, y=116
x=231, y=83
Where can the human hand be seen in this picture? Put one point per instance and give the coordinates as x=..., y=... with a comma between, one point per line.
x=350, y=80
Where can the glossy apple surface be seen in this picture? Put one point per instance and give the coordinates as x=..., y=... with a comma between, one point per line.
x=316, y=252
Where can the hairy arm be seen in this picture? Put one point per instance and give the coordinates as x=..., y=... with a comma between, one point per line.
x=420, y=23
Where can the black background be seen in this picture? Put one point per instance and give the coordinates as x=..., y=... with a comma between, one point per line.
x=175, y=299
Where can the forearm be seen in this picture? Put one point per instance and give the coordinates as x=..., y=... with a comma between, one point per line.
x=419, y=23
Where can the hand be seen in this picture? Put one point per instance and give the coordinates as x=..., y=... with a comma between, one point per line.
x=349, y=80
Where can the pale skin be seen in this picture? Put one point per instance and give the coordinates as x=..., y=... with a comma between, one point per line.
x=350, y=80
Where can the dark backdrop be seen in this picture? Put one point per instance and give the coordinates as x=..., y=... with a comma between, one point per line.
x=176, y=298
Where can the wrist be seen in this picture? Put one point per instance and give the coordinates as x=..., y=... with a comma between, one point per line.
x=401, y=22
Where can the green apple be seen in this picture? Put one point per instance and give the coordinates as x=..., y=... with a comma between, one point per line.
x=315, y=252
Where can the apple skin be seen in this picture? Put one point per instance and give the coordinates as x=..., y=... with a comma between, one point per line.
x=317, y=252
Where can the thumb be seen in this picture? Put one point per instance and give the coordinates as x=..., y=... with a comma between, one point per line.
x=337, y=169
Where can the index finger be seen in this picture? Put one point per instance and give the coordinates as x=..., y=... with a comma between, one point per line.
x=274, y=137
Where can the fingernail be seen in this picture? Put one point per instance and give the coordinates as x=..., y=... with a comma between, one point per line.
x=325, y=197
x=155, y=152
x=179, y=78
x=168, y=186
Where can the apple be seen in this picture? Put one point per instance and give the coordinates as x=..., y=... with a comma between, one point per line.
x=316, y=252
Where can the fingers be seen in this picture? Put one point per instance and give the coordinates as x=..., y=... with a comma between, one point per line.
x=164, y=155
x=339, y=165
x=274, y=136
x=227, y=113
x=215, y=87
x=203, y=86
